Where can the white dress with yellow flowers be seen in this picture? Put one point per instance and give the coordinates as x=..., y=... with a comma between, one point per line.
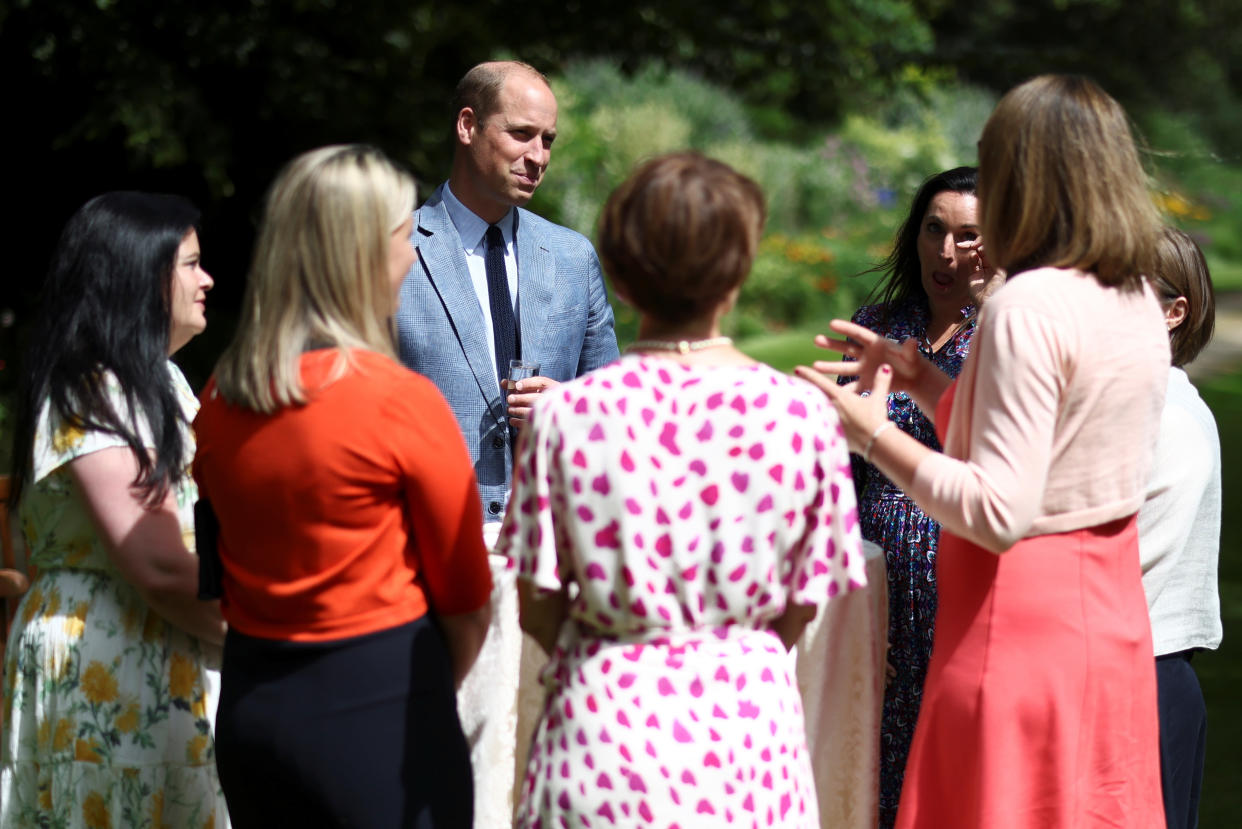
x=107, y=708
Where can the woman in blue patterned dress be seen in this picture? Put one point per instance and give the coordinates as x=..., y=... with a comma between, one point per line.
x=932, y=281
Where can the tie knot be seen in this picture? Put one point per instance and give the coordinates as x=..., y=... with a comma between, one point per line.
x=494, y=236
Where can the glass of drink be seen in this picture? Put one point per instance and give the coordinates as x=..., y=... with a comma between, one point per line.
x=522, y=369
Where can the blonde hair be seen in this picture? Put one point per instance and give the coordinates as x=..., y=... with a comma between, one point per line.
x=1061, y=185
x=319, y=278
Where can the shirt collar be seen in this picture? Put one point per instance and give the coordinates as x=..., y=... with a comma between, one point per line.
x=470, y=228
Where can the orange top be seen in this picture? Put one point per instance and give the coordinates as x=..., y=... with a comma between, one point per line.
x=347, y=515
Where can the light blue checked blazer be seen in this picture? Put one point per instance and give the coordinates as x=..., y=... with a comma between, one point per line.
x=565, y=319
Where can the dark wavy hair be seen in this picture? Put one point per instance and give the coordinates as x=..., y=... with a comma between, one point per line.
x=105, y=306
x=903, y=277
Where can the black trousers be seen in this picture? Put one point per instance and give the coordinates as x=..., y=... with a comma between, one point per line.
x=1183, y=738
x=359, y=733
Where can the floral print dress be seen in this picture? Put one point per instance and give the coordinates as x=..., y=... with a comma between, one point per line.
x=107, y=708
x=909, y=539
x=684, y=508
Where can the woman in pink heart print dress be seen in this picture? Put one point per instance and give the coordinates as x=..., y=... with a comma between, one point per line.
x=686, y=509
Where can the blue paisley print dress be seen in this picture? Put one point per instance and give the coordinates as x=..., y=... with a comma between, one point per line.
x=909, y=539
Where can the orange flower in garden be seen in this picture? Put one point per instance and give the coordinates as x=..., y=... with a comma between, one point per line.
x=84, y=752
x=98, y=683
x=95, y=812
x=181, y=677
x=1181, y=206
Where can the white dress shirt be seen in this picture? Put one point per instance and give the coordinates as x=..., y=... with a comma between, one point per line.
x=473, y=233
x=1179, y=524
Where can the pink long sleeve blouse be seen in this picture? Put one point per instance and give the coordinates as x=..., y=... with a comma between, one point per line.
x=1056, y=411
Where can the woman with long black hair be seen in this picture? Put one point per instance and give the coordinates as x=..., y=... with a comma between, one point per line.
x=107, y=692
x=931, y=285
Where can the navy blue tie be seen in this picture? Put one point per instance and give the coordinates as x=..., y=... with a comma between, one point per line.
x=504, y=326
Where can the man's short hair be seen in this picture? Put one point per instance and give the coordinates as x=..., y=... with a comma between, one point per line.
x=480, y=88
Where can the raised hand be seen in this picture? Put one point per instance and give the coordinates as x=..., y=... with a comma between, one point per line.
x=866, y=351
x=985, y=277
x=861, y=414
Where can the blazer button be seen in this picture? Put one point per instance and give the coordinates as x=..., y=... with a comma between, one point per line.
x=494, y=507
x=498, y=442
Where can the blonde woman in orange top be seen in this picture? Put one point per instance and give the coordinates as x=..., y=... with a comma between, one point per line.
x=354, y=578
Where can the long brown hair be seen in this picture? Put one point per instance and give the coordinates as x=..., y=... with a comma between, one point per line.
x=1061, y=185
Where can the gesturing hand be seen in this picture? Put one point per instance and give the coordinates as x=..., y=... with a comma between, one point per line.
x=984, y=278
x=861, y=412
x=865, y=351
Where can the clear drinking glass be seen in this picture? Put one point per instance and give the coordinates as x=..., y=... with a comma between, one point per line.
x=522, y=369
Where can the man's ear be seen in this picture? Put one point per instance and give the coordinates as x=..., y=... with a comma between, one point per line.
x=1175, y=312
x=467, y=124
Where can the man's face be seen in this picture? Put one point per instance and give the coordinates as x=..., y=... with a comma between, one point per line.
x=506, y=154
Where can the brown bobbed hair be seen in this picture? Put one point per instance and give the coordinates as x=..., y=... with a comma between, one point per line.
x=680, y=234
x=1181, y=271
x=1061, y=185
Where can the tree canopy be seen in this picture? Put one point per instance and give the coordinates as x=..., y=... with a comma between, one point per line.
x=209, y=99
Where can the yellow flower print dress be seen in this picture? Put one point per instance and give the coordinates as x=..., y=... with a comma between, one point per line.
x=108, y=709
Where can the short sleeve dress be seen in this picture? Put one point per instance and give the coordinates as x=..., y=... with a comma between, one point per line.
x=684, y=508
x=107, y=707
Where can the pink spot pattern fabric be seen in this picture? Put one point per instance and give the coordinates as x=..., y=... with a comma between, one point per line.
x=686, y=506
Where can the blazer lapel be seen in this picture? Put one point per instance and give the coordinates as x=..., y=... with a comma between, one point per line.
x=440, y=253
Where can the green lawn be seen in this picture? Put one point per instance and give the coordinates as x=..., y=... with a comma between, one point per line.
x=787, y=348
x=1219, y=671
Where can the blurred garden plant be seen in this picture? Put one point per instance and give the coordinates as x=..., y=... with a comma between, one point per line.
x=830, y=195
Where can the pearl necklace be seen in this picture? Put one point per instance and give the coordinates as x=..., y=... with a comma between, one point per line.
x=680, y=346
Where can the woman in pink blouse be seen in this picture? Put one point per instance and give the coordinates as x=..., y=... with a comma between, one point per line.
x=1040, y=703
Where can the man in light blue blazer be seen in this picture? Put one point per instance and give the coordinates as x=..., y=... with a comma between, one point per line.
x=504, y=128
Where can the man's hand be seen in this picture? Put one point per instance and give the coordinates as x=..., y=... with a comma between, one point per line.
x=522, y=395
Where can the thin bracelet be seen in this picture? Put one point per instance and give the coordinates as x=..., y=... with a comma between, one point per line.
x=879, y=430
